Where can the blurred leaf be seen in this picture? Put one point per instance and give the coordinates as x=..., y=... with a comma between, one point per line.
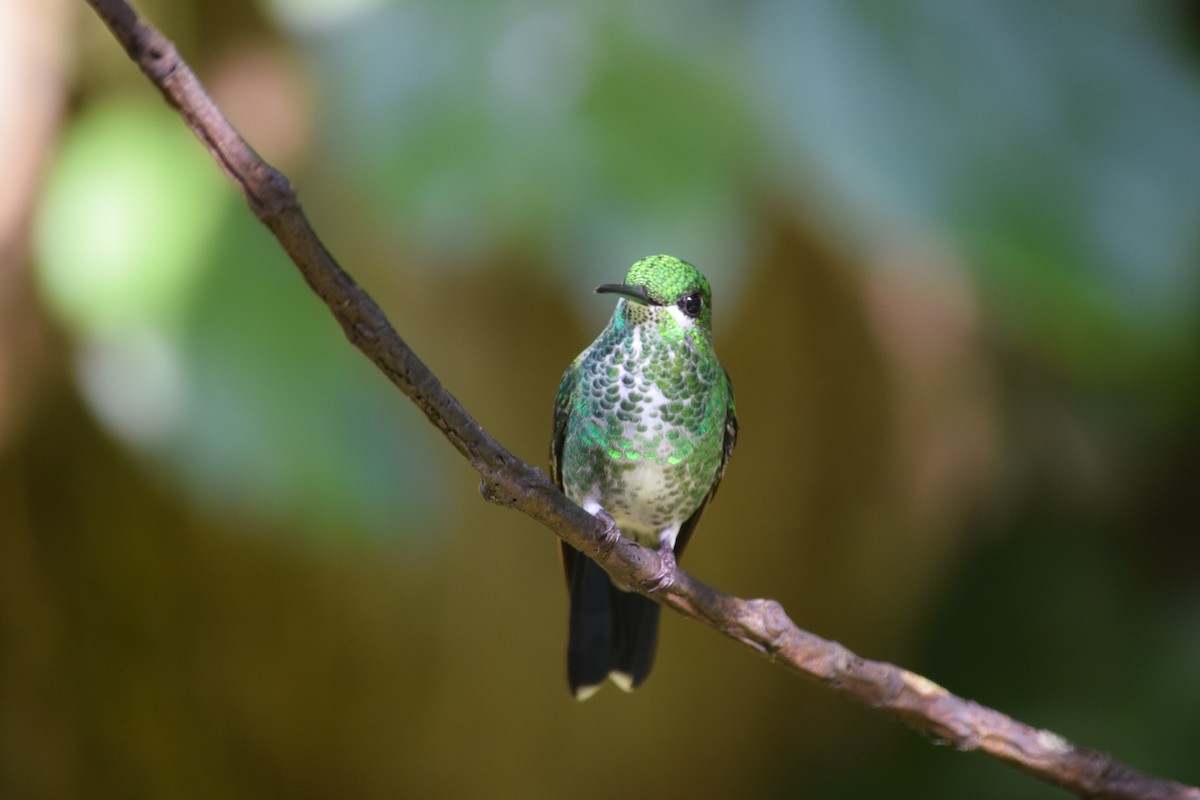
x=1053, y=144
x=283, y=415
x=573, y=129
x=199, y=346
x=122, y=227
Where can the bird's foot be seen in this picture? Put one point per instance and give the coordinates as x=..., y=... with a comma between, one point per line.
x=664, y=576
x=610, y=536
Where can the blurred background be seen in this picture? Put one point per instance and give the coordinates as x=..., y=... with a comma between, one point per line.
x=954, y=250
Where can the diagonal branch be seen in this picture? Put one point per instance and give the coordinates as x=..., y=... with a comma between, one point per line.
x=507, y=480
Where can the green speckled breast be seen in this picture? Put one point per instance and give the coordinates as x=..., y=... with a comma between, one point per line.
x=646, y=424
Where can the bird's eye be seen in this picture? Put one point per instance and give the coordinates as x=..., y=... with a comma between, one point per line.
x=691, y=304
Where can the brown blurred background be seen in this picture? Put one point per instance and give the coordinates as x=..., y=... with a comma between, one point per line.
x=954, y=250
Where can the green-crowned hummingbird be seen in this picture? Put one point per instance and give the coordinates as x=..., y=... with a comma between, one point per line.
x=644, y=424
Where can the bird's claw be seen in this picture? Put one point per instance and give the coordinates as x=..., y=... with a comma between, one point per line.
x=610, y=536
x=664, y=576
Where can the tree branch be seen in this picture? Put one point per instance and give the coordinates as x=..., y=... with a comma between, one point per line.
x=509, y=481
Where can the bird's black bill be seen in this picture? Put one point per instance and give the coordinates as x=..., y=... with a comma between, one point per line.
x=636, y=293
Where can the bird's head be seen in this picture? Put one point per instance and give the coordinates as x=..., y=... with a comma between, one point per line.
x=667, y=291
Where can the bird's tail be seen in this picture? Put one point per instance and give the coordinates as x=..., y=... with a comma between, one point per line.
x=612, y=633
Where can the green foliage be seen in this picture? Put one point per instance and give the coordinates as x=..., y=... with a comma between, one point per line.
x=574, y=130
x=197, y=344
x=125, y=219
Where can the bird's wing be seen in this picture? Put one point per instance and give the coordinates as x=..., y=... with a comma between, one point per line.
x=562, y=409
x=727, y=445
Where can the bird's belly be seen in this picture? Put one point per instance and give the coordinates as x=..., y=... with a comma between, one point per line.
x=650, y=498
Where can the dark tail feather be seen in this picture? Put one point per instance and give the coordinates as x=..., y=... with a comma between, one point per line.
x=589, y=638
x=635, y=634
x=610, y=632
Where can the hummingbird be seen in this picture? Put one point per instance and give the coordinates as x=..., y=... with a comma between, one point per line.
x=644, y=425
